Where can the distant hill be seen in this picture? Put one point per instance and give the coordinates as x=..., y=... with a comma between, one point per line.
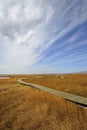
x=82, y=72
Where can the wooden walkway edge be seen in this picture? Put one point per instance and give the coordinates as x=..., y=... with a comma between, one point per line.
x=70, y=97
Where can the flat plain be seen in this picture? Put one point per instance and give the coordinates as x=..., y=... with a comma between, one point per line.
x=71, y=83
x=26, y=108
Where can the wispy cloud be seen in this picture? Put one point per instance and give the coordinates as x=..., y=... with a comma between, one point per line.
x=40, y=36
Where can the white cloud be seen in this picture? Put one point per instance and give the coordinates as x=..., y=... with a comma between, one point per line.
x=23, y=39
x=19, y=22
x=49, y=14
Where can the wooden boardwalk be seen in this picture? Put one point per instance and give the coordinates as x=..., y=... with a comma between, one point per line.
x=70, y=97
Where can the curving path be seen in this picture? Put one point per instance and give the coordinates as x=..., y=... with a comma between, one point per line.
x=70, y=97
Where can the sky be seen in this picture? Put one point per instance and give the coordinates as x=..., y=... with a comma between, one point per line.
x=43, y=36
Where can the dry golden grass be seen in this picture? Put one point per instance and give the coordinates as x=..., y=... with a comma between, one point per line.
x=72, y=83
x=25, y=108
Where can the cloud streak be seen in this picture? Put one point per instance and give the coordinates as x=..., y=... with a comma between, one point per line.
x=42, y=34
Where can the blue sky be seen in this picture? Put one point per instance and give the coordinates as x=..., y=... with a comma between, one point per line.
x=43, y=36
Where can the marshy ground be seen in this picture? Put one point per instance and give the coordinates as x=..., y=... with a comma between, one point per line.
x=26, y=108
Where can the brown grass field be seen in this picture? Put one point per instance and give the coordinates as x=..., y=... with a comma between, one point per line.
x=72, y=83
x=26, y=108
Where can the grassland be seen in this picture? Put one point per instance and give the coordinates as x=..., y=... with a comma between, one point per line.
x=25, y=108
x=72, y=83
